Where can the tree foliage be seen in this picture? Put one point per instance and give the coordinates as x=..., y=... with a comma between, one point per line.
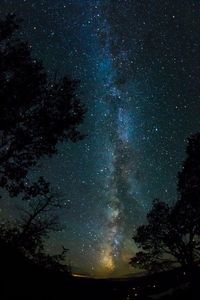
x=171, y=236
x=37, y=220
x=35, y=112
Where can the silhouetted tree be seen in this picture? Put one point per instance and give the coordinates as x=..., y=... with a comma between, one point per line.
x=35, y=113
x=39, y=218
x=188, y=205
x=30, y=231
x=156, y=240
x=56, y=262
x=172, y=233
x=189, y=177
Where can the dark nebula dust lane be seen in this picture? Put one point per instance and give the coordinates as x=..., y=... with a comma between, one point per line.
x=139, y=67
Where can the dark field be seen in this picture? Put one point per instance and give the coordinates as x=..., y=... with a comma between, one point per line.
x=24, y=280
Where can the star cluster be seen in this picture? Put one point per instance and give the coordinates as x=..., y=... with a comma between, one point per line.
x=139, y=67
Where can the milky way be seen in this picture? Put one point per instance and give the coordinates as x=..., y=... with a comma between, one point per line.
x=120, y=183
x=139, y=68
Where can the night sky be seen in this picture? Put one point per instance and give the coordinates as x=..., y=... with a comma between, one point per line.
x=139, y=67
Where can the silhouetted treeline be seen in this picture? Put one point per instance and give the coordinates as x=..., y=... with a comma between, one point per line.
x=36, y=113
x=171, y=237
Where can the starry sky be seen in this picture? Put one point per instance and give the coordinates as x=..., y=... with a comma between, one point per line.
x=139, y=67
